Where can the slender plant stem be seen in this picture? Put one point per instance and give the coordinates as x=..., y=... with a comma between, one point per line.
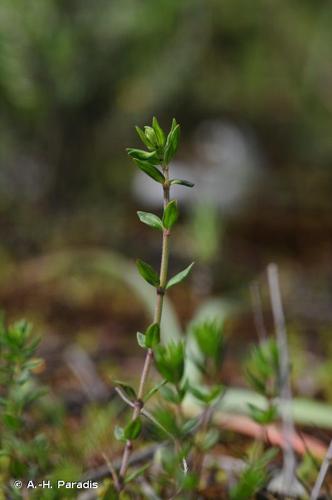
x=157, y=319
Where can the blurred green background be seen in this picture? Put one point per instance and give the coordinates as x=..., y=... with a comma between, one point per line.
x=251, y=86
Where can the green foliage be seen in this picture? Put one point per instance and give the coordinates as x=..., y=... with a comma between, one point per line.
x=254, y=476
x=140, y=155
x=262, y=373
x=263, y=368
x=171, y=214
x=130, y=432
x=151, y=220
x=160, y=136
x=126, y=388
x=181, y=276
x=169, y=361
x=150, y=338
x=133, y=429
x=206, y=395
x=181, y=182
x=166, y=421
x=184, y=439
x=210, y=340
x=154, y=390
x=172, y=142
x=150, y=170
x=148, y=273
x=152, y=335
x=136, y=473
x=24, y=454
x=264, y=416
x=160, y=150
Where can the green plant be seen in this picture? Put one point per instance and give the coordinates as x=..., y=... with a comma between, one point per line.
x=262, y=373
x=254, y=476
x=23, y=451
x=155, y=162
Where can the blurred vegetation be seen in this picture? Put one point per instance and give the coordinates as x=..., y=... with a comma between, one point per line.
x=76, y=75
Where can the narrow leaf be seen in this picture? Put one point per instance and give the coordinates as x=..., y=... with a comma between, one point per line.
x=127, y=389
x=170, y=395
x=148, y=273
x=154, y=389
x=119, y=433
x=141, y=339
x=171, y=214
x=152, y=335
x=179, y=277
x=139, y=154
x=151, y=136
x=137, y=472
x=210, y=439
x=133, y=429
x=151, y=220
x=159, y=132
x=150, y=170
x=174, y=124
x=143, y=138
x=182, y=182
x=172, y=143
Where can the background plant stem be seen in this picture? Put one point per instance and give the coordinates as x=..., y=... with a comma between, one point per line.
x=157, y=319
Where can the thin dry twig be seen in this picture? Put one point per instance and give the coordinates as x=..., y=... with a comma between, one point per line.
x=289, y=461
x=112, y=471
x=322, y=473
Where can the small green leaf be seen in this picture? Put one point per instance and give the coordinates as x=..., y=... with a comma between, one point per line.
x=133, y=429
x=137, y=472
x=143, y=138
x=210, y=439
x=189, y=426
x=148, y=273
x=170, y=395
x=169, y=360
x=206, y=395
x=165, y=421
x=141, y=339
x=171, y=214
x=174, y=124
x=182, y=182
x=119, y=433
x=179, y=277
x=210, y=340
x=139, y=154
x=152, y=335
x=127, y=389
x=154, y=389
x=151, y=220
x=263, y=417
x=151, y=136
x=159, y=132
x=172, y=143
x=150, y=170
